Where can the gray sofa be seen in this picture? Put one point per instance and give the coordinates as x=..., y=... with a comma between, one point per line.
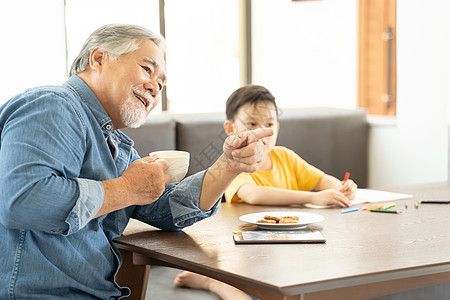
x=332, y=139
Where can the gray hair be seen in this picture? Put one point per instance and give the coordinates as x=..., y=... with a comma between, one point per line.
x=116, y=40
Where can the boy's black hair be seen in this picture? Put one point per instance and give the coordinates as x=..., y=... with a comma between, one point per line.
x=252, y=94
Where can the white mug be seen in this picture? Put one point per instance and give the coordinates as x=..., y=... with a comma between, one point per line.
x=178, y=163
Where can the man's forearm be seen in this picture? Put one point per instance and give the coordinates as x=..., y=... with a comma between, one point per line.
x=116, y=196
x=242, y=153
x=216, y=180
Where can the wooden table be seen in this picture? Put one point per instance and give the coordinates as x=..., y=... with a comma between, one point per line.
x=366, y=254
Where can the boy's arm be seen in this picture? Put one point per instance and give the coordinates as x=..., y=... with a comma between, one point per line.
x=265, y=195
x=328, y=182
x=328, y=186
x=347, y=188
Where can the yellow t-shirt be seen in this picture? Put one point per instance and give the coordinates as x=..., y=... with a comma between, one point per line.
x=289, y=171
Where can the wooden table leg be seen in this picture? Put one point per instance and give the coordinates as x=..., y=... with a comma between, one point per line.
x=133, y=276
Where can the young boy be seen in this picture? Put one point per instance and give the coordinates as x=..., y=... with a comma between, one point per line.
x=283, y=179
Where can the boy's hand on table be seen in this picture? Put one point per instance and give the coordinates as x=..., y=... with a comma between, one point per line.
x=330, y=197
x=349, y=189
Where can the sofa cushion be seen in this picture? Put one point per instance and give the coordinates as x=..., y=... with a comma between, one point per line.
x=332, y=139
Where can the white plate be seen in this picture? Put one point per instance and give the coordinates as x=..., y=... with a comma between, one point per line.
x=304, y=219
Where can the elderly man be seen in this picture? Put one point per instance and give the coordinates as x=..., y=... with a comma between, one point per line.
x=70, y=179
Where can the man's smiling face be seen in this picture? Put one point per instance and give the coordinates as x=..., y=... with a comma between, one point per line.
x=131, y=84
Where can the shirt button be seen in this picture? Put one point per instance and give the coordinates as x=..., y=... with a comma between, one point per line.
x=108, y=127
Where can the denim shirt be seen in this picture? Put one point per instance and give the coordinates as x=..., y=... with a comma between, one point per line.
x=53, y=157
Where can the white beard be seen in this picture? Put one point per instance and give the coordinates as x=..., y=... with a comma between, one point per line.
x=133, y=113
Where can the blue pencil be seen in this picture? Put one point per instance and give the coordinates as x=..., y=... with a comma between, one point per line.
x=347, y=210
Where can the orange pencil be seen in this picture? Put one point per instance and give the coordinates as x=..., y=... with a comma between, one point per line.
x=374, y=207
x=380, y=206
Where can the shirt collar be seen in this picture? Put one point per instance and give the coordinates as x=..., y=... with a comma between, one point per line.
x=88, y=97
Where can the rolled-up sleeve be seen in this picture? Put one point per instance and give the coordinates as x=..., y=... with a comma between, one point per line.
x=178, y=206
x=87, y=205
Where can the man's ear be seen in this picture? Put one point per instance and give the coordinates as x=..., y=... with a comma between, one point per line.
x=228, y=126
x=96, y=59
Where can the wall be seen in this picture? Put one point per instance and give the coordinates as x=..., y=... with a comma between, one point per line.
x=414, y=148
x=305, y=52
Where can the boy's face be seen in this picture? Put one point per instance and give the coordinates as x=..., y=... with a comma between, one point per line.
x=250, y=117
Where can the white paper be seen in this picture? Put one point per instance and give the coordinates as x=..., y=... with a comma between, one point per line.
x=371, y=196
x=368, y=196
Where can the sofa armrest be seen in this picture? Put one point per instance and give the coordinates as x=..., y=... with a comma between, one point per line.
x=157, y=133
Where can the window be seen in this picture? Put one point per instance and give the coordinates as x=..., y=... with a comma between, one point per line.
x=33, y=50
x=202, y=44
x=303, y=51
x=202, y=54
x=85, y=16
x=80, y=20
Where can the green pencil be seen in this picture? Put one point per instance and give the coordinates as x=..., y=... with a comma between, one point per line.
x=386, y=211
x=387, y=206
